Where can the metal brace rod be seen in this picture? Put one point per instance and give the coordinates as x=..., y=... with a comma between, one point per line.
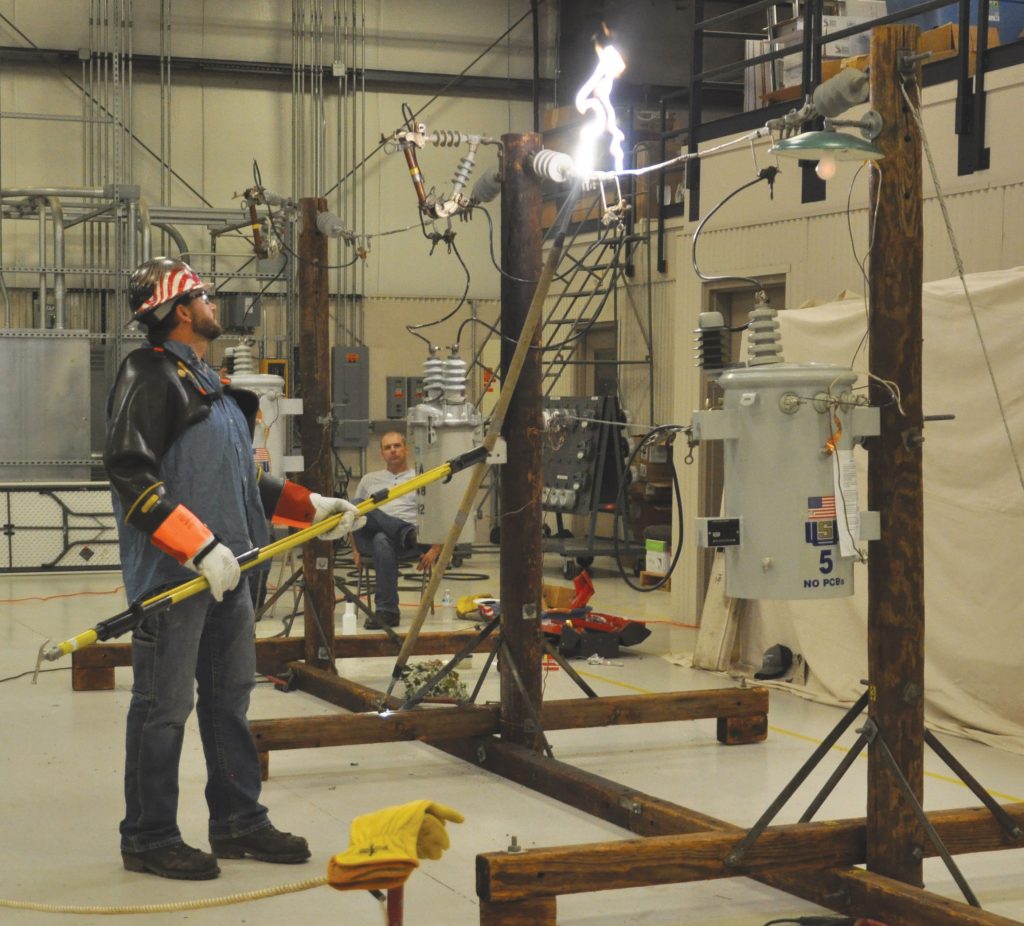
x=736, y=856
x=870, y=732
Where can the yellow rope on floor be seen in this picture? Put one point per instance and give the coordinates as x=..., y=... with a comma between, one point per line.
x=168, y=907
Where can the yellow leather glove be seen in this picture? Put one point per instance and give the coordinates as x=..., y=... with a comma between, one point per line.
x=386, y=845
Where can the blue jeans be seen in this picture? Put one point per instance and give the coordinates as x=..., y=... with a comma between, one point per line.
x=385, y=538
x=198, y=643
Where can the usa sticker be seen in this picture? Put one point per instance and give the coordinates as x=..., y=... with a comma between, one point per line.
x=820, y=533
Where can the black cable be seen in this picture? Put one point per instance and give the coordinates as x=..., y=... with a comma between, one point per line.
x=509, y=276
x=413, y=329
x=257, y=179
x=583, y=326
x=490, y=240
x=768, y=174
x=618, y=513
x=252, y=305
x=813, y=920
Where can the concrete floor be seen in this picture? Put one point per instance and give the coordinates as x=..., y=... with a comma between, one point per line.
x=60, y=799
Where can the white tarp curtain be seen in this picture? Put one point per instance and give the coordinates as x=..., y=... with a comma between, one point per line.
x=973, y=516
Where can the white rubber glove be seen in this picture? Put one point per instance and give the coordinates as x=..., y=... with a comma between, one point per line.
x=325, y=507
x=217, y=564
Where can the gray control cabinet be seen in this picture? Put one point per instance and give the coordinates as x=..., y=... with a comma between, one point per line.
x=350, y=393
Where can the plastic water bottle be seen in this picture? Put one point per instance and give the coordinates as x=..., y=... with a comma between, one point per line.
x=348, y=619
x=447, y=608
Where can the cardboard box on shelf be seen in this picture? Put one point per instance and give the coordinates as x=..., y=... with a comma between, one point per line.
x=757, y=78
x=829, y=68
x=944, y=41
x=864, y=9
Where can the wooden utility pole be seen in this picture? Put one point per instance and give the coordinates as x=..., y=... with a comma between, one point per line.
x=521, y=478
x=315, y=364
x=895, y=839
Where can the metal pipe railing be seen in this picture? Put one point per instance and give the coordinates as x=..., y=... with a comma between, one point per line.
x=59, y=278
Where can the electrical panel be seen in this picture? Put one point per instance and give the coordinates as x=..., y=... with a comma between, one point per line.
x=238, y=311
x=584, y=453
x=397, y=396
x=350, y=395
x=414, y=389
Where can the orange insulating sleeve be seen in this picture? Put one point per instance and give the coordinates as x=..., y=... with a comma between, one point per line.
x=181, y=534
x=294, y=509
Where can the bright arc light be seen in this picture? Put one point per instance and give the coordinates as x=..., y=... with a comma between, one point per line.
x=594, y=97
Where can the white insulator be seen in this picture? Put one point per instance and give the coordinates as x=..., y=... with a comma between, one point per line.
x=463, y=171
x=433, y=378
x=763, y=345
x=553, y=165
x=848, y=88
x=329, y=225
x=455, y=380
x=487, y=187
x=244, y=362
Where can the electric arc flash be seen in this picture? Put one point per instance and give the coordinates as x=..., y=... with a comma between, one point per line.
x=594, y=97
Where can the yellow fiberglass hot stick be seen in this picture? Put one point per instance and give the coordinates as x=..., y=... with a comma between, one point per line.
x=127, y=619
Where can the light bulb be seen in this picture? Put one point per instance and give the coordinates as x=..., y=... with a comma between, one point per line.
x=827, y=167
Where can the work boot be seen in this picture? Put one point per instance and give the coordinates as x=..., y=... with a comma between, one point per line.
x=266, y=845
x=176, y=861
x=382, y=619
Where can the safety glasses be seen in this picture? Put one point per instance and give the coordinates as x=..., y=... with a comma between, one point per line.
x=201, y=294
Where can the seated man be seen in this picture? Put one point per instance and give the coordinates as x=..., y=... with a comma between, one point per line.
x=389, y=535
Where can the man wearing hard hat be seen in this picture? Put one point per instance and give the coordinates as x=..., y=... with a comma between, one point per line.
x=189, y=499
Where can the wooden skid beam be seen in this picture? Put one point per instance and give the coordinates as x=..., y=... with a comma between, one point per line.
x=459, y=723
x=576, y=869
x=92, y=668
x=534, y=912
x=617, y=864
x=647, y=815
x=374, y=727
x=336, y=690
x=899, y=904
x=633, y=810
x=574, y=713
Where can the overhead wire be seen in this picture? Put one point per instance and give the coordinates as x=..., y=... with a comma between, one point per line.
x=384, y=141
x=915, y=112
x=862, y=262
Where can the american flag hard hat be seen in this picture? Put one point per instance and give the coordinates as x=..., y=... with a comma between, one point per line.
x=170, y=287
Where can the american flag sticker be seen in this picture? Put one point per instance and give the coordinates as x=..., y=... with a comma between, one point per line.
x=821, y=508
